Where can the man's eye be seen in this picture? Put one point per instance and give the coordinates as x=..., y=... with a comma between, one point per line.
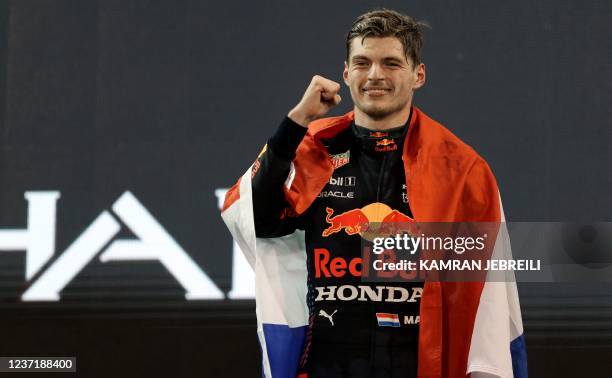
x=360, y=64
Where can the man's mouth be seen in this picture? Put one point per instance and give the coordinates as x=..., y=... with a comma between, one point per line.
x=376, y=91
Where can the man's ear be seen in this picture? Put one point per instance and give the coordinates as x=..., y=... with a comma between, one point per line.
x=420, y=76
x=345, y=73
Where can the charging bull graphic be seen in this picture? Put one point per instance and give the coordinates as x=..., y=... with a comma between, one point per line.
x=352, y=222
x=376, y=218
x=385, y=145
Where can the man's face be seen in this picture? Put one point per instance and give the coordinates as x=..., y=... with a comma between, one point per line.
x=380, y=76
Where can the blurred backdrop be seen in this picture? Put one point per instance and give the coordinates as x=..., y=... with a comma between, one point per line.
x=122, y=122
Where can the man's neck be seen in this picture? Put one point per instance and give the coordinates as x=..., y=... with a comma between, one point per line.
x=391, y=121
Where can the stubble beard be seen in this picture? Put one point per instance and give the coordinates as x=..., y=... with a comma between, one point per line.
x=378, y=113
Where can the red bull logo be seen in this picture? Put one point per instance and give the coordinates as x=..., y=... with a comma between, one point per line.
x=385, y=142
x=378, y=134
x=359, y=221
x=328, y=266
x=385, y=145
x=396, y=223
x=352, y=222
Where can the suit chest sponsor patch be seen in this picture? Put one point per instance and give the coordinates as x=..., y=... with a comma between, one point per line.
x=339, y=160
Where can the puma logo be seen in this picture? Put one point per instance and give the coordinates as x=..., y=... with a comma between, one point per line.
x=326, y=315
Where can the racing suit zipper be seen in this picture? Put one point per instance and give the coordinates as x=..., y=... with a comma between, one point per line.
x=380, y=178
x=379, y=193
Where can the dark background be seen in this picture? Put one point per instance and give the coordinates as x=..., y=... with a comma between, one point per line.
x=174, y=99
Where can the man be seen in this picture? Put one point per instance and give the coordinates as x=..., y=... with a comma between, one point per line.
x=331, y=178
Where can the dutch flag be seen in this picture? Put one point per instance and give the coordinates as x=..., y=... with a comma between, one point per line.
x=387, y=320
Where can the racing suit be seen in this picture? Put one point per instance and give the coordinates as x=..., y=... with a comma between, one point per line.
x=356, y=329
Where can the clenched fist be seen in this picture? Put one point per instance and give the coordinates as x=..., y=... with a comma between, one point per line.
x=320, y=96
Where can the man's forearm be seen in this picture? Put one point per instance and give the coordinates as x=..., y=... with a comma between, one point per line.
x=271, y=170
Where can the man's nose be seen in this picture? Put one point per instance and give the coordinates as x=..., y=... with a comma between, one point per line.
x=375, y=72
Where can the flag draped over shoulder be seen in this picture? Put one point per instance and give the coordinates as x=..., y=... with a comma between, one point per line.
x=466, y=327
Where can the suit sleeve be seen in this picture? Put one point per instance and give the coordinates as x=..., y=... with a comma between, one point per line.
x=272, y=213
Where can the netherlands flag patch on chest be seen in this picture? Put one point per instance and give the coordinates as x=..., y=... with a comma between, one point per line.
x=387, y=320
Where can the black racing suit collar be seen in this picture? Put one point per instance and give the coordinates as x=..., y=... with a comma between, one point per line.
x=370, y=141
x=380, y=140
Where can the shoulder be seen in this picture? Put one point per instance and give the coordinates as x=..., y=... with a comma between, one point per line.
x=440, y=142
x=456, y=165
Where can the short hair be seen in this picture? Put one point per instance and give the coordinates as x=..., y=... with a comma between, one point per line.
x=389, y=23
